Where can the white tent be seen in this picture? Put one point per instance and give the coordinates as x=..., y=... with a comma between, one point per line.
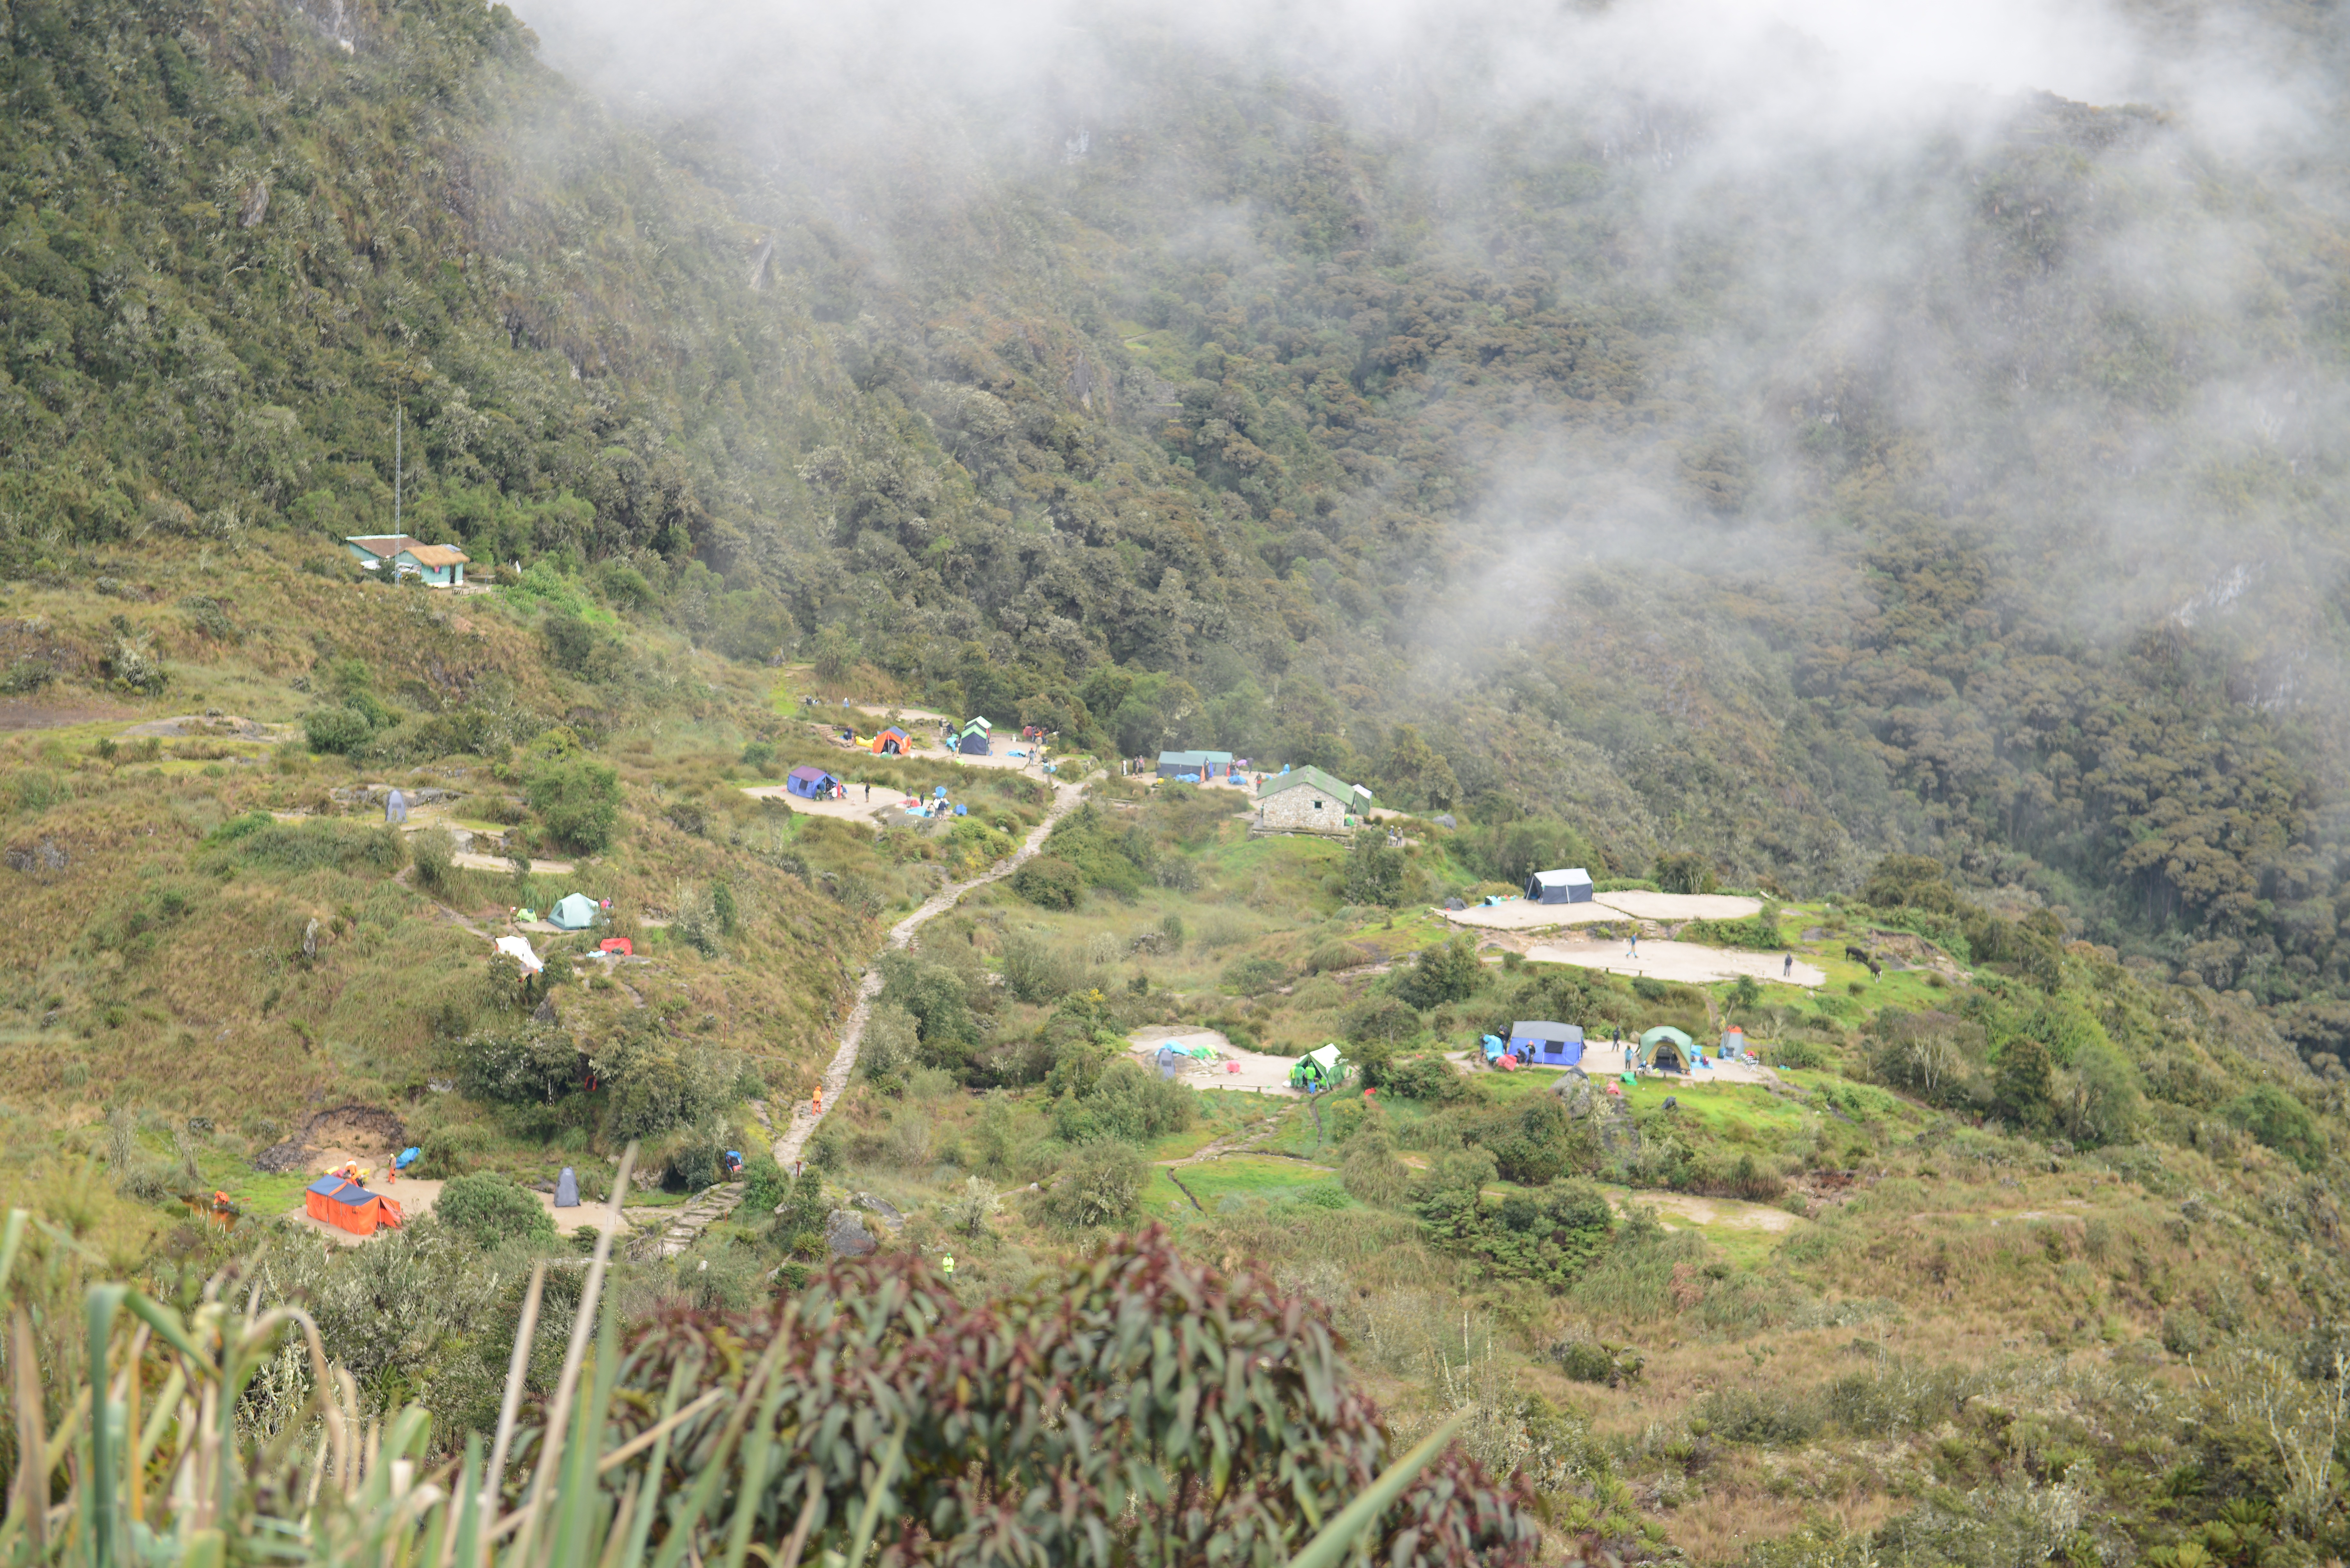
x=518, y=948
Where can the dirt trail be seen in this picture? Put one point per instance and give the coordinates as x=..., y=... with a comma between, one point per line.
x=794, y=1138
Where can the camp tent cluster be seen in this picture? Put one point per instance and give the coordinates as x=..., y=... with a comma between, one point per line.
x=1175, y=1057
x=974, y=740
x=1195, y=767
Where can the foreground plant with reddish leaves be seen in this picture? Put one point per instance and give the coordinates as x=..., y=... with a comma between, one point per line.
x=1138, y=1409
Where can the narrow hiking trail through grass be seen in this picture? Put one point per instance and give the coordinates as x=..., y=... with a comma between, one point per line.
x=719, y=1201
x=794, y=1138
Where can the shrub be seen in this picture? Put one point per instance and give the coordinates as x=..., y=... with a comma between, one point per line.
x=488, y=1206
x=764, y=1185
x=1770, y=1417
x=1126, y=1102
x=1036, y=973
x=434, y=852
x=335, y=730
x=1684, y=871
x=971, y=1212
x=1050, y=882
x=886, y=1047
x=1596, y=1361
x=1250, y=976
x=1101, y=1186
x=1430, y=1078
x=1371, y=1171
x=1386, y=1020
x=693, y=1167
x=1440, y=974
x=312, y=846
x=759, y=756
x=2279, y=1121
x=580, y=802
x=533, y=1065
x=658, y=1082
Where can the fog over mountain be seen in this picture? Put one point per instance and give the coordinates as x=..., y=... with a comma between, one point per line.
x=1797, y=430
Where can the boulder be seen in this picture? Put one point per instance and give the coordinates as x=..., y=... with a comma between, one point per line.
x=846, y=1236
x=880, y=1209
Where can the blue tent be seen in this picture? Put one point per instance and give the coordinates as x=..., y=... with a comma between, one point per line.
x=810, y=782
x=1542, y=1043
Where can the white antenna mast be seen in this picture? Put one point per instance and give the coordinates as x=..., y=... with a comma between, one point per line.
x=398, y=471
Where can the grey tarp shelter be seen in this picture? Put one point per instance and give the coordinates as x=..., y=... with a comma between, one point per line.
x=1572, y=886
x=567, y=1190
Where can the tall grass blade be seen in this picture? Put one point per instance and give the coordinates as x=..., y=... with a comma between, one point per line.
x=29, y=1509
x=517, y=1367
x=870, y=1520
x=1338, y=1538
x=102, y=1305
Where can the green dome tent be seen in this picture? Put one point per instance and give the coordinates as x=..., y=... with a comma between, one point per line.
x=1667, y=1049
x=1322, y=1069
x=573, y=912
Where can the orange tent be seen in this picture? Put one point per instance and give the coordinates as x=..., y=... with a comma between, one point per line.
x=347, y=1206
x=892, y=741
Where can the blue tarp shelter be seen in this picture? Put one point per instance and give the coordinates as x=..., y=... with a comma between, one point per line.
x=810, y=782
x=1539, y=1043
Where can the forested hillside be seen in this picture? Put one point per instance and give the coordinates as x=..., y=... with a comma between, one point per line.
x=1291, y=498
x=1969, y=492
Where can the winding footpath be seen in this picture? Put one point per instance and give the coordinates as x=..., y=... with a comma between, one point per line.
x=718, y=1202
x=794, y=1138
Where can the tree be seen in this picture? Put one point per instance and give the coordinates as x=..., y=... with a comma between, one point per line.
x=1374, y=871
x=2020, y=1084
x=490, y=1207
x=1187, y=1418
x=1685, y=872
x=2099, y=1101
x=1101, y=1186
x=1050, y=882
x=1448, y=972
x=580, y=802
x=533, y=1064
x=1416, y=774
x=2280, y=1122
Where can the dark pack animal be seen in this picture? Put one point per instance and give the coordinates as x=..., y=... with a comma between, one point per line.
x=1863, y=956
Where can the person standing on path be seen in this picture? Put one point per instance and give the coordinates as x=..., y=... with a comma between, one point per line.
x=1787, y=969
x=818, y=1102
x=1634, y=950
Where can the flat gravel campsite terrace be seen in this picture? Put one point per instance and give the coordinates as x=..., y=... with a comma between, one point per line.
x=1685, y=962
x=1659, y=908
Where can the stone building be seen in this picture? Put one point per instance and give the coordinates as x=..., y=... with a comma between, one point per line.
x=1305, y=800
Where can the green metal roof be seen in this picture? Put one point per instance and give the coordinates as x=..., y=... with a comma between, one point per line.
x=1336, y=788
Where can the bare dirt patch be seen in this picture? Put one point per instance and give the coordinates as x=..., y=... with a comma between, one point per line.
x=1730, y=1213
